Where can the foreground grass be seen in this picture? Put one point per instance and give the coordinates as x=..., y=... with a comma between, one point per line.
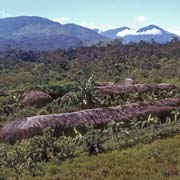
x=156, y=161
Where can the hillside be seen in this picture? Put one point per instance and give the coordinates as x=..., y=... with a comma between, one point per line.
x=36, y=33
x=156, y=161
x=146, y=34
x=41, y=34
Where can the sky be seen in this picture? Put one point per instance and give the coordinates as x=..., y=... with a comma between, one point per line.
x=101, y=14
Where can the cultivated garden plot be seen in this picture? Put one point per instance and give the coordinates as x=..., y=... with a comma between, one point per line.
x=102, y=123
x=65, y=122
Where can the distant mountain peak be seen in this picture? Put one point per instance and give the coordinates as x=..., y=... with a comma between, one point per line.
x=97, y=30
x=151, y=27
x=22, y=19
x=147, y=34
x=37, y=33
x=118, y=29
x=113, y=32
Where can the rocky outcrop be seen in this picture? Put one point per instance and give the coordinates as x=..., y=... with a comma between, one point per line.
x=35, y=98
x=32, y=126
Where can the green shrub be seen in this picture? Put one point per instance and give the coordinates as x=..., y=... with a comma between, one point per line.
x=93, y=142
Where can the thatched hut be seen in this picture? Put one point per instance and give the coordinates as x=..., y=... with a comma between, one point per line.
x=118, y=89
x=35, y=98
x=32, y=126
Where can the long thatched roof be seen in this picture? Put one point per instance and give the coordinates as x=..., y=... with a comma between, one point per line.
x=32, y=126
x=118, y=89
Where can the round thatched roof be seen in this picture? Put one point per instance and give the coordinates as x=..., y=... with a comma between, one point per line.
x=35, y=98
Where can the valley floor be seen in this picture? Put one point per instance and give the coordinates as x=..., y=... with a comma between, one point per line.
x=159, y=160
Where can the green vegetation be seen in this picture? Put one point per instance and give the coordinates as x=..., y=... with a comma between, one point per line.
x=47, y=157
x=156, y=161
x=118, y=150
x=60, y=72
x=27, y=158
x=143, y=62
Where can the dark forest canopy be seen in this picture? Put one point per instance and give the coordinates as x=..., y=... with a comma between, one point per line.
x=116, y=46
x=108, y=62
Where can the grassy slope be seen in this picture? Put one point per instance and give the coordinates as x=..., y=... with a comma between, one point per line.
x=157, y=161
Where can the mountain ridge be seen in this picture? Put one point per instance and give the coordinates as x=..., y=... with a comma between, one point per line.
x=147, y=34
x=38, y=33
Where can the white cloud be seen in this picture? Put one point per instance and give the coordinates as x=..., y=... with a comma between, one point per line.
x=4, y=14
x=126, y=32
x=142, y=18
x=88, y=25
x=153, y=31
x=92, y=25
x=62, y=20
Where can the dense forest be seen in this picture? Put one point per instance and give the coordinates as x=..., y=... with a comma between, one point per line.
x=86, y=81
x=110, y=62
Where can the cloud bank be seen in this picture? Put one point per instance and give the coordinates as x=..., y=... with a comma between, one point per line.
x=126, y=32
x=92, y=25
